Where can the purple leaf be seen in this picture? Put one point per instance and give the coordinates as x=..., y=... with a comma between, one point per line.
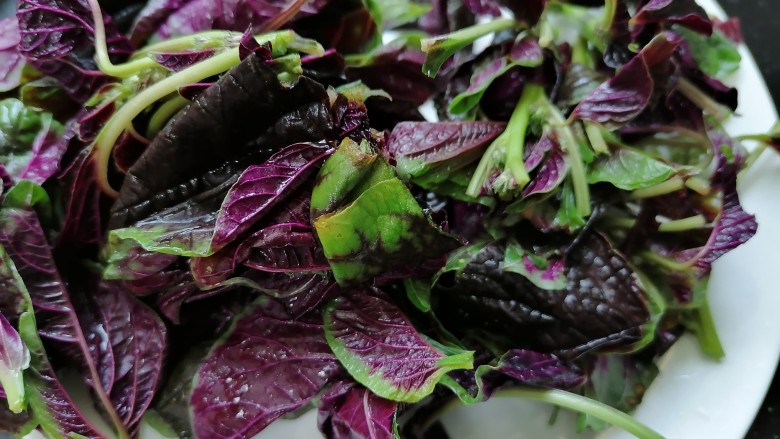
x=539, y=370
x=266, y=366
x=11, y=61
x=49, y=400
x=551, y=174
x=359, y=414
x=538, y=151
x=128, y=341
x=683, y=12
x=180, y=61
x=84, y=203
x=24, y=240
x=171, y=18
x=249, y=45
x=621, y=99
x=309, y=300
x=57, y=37
x=730, y=28
x=416, y=146
x=380, y=348
x=14, y=359
x=285, y=248
x=261, y=187
x=483, y=7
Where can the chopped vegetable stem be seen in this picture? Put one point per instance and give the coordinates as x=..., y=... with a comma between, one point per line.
x=593, y=131
x=572, y=148
x=674, y=184
x=163, y=114
x=682, y=225
x=701, y=100
x=517, y=130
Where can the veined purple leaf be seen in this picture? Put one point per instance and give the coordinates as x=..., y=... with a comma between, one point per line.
x=733, y=226
x=621, y=99
x=11, y=61
x=49, y=403
x=309, y=300
x=179, y=61
x=267, y=365
x=380, y=348
x=359, y=414
x=25, y=242
x=129, y=261
x=14, y=359
x=128, y=341
x=416, y=146
x=261, y=187
x=687, y=13
x=57, y=37
x=170, y=18
x=554, y=169
x=285, y=248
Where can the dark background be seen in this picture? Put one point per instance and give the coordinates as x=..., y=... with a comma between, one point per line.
x=761, y=29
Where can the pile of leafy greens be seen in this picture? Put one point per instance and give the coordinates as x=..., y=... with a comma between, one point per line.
x=216, y=214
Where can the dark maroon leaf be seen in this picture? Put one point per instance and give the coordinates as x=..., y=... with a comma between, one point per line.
x=261, y=187
x=84, y=202
x=683, y=12
x=602, y=305
x=266, y=366
x=201, y=147
x=359, y=414
x=11, y=61
x=622, y=98
x=528, y=11
x=128, y=341
x=397, y=69
x=483, y=7
x=249, y=45
x=539, y=370
x=57, y=37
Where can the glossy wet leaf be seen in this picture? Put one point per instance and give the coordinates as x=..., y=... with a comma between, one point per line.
x=379, y=347
x=629, y=169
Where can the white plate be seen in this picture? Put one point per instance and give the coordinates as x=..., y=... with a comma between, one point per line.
x=693, y=397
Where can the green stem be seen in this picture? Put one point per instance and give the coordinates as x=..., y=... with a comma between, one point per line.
x=584, y=405
x=101, y=50
x=596, y=139
x=163, y=114
x=572, y=148
x=682, y=225
x=12, y=382
x=517, y=128
x=674, y=184
x=124, y=116
x=439, y=49
x=701, y=100
x=698, y=185
x=704, y=327
x=664, y=262
x=486, y=164
x=213, y=39
x=610, y=10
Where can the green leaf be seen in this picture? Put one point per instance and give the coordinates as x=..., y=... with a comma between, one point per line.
x=366, y=218
x=716, y=55
x=629, y=170
x=568, y=216
x=27, y=194
x=19, y=125
x=419, y=293
x=391, y=14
